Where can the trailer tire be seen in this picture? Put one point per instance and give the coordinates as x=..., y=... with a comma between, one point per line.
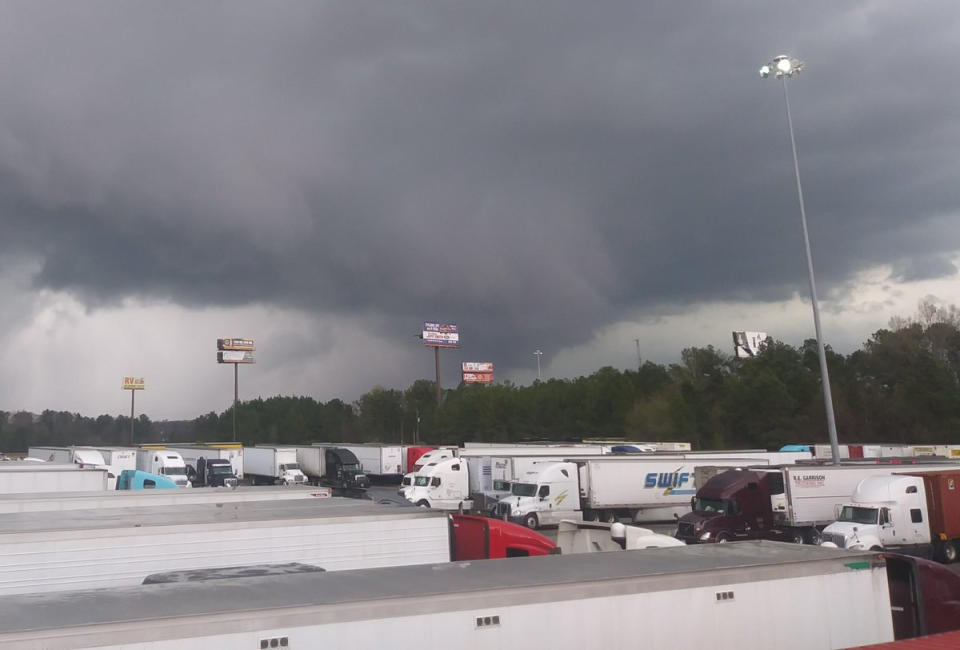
x=946, y=552
x=795, y=536
x=610, y=516
x=423, y=503
x=589, y=515
x=812, y=536
x=531, y=521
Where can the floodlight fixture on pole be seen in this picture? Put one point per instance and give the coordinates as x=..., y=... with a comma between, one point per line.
x=784, y=67
x=537, y=353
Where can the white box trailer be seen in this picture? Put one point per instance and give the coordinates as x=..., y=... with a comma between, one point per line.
x=269, y=464
x=45, y=501
x=379, y=461
x=86, y=549
x=19, y=477
x=755, y=595
x=117, y=459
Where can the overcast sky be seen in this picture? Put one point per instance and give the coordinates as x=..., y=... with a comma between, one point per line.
x=569, y=176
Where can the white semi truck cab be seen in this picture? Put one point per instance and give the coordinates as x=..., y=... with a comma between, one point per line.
x=165, y=462
x=884, y=512
x=443, y=484
x=544, y=497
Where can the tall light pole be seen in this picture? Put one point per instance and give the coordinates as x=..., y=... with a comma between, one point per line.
x=637, y=341
x=537, y=353
x=784, y=67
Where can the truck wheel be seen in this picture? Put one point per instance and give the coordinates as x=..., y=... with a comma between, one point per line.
x=423, y=503
x=589, y=515
x=531, y=521
x=610, y=516
x=795, y=536
x=723, y=538
x=946, y=552
x=812, y=536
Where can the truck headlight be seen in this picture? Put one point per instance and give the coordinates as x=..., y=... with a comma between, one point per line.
x=705, y=536
x=514, y=513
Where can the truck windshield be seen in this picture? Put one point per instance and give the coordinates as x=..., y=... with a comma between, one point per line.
x=523, y=489
x=173, y=471
x=290, y=466
x=858, y=515
x=421, y=481
x=220, y=470
x=351, y=467
x=709, y=505
x=501, y=486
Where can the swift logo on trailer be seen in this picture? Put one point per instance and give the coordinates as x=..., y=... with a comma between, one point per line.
x=672, y=482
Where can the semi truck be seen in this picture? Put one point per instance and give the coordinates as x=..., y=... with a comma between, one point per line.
x=412, y=453
x=607, y=488
x=232, y=452
x=334, y=467
x=134, y=479
x=443, y=484
x=82, y=456
x=19, y=477
x=431, y=456
x=379, y=462
x=916, y=513
x=87, y=549
x=160, y=460
x=751, y=596
x=269, y=465
x=789, y=503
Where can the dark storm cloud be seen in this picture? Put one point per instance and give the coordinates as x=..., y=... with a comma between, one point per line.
x=530, y=170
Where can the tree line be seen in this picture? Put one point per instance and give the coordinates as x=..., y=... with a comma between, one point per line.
x=901, y=386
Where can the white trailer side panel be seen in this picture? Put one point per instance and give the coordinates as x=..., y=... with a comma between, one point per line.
x=476, y=604
x=17, y=478
x=85, y=550
x=312, y=460
x=46, y=502
x=814, y=492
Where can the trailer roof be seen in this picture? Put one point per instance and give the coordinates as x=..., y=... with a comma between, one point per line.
x=35, y=466
x=204, y=513
x=120, y=495
x=647, y=570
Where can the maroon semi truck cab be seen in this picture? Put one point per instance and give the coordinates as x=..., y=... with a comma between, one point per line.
x=733, y=505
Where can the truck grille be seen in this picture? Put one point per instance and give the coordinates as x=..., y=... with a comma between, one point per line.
x=837, y=538
x=501, y=510
x=686, y=530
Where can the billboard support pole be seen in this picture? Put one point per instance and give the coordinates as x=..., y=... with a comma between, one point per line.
x=236, y=383
x=436, y=358
x=132, y=394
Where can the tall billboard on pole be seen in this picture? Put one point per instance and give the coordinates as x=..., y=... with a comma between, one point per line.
x=235, y=351
x=441, y=335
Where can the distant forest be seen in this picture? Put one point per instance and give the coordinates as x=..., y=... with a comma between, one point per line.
x=902, y=386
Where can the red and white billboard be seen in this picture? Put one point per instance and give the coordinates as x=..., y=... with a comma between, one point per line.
x=441, y=335
x=477, y=372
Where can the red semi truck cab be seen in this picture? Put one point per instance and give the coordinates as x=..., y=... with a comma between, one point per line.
x=730, y=506
x=480, y=538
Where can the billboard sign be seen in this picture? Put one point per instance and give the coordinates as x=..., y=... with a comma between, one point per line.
x=134, y=383
x=235, y=344
x=478, y=377
x=235, y=356
x=477, y=366
x=441, y=335
x=748, y=344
